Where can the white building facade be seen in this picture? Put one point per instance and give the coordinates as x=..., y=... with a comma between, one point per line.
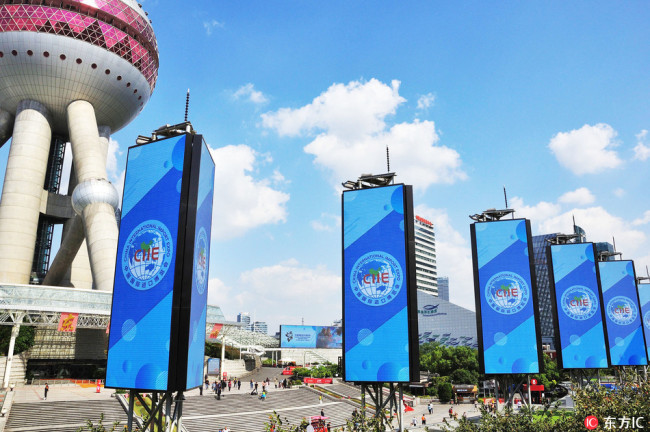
x=426, y=270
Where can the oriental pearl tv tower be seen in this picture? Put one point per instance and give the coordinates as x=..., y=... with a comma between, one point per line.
x=70, y=71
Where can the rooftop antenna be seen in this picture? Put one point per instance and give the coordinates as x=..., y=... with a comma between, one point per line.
x=574, y=222
x=187, y=103
x=388, y=160
x=505, y=196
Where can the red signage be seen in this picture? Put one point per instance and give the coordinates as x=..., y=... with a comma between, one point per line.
x=68, y=322
x=317, y=380
x=423, y=220
x=533, y=381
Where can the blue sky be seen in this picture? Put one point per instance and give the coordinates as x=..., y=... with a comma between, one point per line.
x=549, y=99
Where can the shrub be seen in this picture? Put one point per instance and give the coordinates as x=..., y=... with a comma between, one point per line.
x=445, y=392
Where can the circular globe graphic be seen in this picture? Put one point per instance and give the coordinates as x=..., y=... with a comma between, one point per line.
x=200, y=260
x=579, y=303
x=147, y=255
x=507, y=292
x=621, y=310
x=376, y=278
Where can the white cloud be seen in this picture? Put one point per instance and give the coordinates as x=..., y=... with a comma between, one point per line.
x=242, y=202
x=281, y=294
x=540, y=211
x=327, y=222
x=619, y=192
x=641, y=150
x=426, y=101
x=210, y=25
x=642, y=220
x=454, y=256
x=111, y=160
x=580, y=196
x=249, y=93
x=600, y=226
x=351, y=135
x=587, y=150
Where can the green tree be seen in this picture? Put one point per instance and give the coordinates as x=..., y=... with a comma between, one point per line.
x=445, y=392
x=24, y=341
x=463, y=376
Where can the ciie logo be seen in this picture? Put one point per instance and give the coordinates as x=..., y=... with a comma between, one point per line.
x=621, y=310
x=591, y=422
x=507, y=293
x=200, y=260
x=579, y=303
x=289, y=336
x=376, y=278
x=646, y=320
x=147, y=254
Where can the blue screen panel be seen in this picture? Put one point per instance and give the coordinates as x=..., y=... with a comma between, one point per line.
x=138, y=354
x=200, y=272
x=644, y=300
x=577, y=302
x=506, y=297
x=375, y=273
x=294, y=336
x=622, y=316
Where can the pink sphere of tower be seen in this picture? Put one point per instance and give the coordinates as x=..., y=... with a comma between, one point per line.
x=59, y=51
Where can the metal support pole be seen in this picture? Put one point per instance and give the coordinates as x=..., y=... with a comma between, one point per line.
x=168, y=415
x=179, y=407
x=400, y=407
x=223, y=356
x=10, y=353
x=129, y=421
x=363, y=403
x=530, y=402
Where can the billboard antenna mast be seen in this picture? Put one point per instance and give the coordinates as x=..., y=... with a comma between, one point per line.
x=388, y=160
x=639, y=279
x=187, y=104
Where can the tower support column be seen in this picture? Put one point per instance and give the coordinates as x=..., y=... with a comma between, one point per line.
x=94, y=198
x=22, y=191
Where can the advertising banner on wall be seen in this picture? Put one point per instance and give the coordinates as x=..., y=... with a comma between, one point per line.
x=575, y=291
x=153, y=302
x=506, y=297
x=379, y=295
x=295, y=336
x=622, y=315
x=644, y=300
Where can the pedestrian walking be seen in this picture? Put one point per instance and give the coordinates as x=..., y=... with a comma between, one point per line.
x=47, y=389
x=424, y=420
x=320, y=399
x=430, y=408
x=238, y=384
x=251, y=384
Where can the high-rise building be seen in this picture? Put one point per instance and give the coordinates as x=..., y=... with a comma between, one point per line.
x=605, y=251
x=245, y=318
x=540, y=242
x=426, y=271
x=443, y=287
x=260, y=327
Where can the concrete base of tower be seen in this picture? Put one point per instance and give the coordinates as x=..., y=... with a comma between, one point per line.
x=22, y=191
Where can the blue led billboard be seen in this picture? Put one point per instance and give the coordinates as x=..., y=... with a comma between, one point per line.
x=644, y=300
x=139, y=342
x=506, y=297
x=159, y=307
x=201, y=232
x=578, y=312
x=622, y=315
x=295, y=336
x=379, y=295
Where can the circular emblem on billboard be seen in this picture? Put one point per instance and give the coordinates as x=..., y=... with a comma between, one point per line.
x=621, y=310
x=147, y=254
x=579, y=303
x=646, y=320
x=376, y=278
x=507, y=293
x=200, y=260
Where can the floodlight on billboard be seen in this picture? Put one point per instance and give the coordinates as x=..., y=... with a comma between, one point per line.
x=506, y=297
x=575, y=291
x=380, y=340
x=622, y=315
x=160, y=296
